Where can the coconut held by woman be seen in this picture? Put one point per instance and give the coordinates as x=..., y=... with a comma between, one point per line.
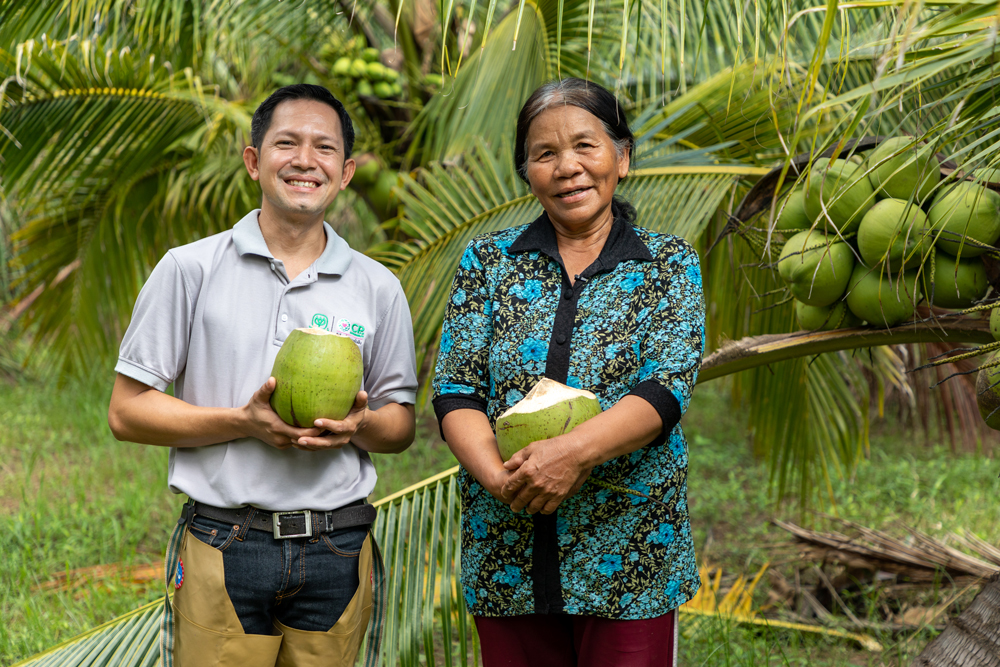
x=562, y=562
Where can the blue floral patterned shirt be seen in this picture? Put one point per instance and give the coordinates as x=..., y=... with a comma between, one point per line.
x=633, y=323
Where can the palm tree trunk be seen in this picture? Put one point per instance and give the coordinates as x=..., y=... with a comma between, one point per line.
x=973, y=638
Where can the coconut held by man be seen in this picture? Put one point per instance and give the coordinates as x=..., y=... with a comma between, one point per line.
x=318, y=375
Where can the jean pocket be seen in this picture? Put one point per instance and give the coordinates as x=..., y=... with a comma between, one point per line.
x=346, y=541
x=216, y=534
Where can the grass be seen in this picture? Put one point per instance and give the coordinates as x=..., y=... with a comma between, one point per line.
x=73, y=497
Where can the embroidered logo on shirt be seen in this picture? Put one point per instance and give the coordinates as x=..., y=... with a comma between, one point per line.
x=179, y=575
x=320, y=321
x=356, y=332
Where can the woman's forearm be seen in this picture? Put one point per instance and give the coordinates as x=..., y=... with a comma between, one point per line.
x=627, y=426
x=471, y=440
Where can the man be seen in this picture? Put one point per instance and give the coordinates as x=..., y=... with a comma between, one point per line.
x=258, y=580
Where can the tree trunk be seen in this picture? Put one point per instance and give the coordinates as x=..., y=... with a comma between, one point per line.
x=973, y=638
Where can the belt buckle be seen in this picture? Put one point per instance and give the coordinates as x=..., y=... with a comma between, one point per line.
x=276, y=518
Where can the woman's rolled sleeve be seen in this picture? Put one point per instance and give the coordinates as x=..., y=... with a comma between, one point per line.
x=461, y=376
x=671, y=351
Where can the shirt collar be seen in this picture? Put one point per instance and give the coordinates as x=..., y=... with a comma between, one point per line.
x=248, y=239
x=622, y=243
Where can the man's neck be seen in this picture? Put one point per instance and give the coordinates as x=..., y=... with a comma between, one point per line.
x=296, y=242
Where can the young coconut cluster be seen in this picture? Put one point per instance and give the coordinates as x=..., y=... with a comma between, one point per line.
x=861, y=249
x=367, y=76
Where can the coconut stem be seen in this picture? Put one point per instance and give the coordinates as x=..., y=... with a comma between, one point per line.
x=623, y=489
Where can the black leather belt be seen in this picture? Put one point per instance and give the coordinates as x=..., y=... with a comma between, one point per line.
x=283, y=525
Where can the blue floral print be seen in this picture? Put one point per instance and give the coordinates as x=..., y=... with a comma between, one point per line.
x=638, y=321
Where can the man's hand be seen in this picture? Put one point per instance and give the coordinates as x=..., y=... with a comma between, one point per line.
x=544, y=474
x=333, y=434
x=264, y=423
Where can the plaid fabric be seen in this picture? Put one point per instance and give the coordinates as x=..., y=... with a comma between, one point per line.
x=170, y=571
x=380, y=600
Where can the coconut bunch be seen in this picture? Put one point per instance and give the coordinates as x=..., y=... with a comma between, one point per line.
x=364, y=74
x=870, y=237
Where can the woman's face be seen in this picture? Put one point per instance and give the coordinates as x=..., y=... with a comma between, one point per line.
x=572, y=166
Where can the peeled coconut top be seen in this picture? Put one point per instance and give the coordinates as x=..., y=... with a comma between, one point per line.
x=544, y=395
x=316, y=331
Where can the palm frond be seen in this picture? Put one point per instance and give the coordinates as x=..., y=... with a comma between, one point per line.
x=445, y=207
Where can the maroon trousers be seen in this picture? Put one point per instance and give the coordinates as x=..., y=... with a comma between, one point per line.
x=539, y=640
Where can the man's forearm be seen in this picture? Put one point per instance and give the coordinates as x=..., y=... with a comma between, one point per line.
x=147, y=416
x=388, y=430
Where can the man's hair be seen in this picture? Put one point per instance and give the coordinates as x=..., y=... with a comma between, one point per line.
x=300, y=91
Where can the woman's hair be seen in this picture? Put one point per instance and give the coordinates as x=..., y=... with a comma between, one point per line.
x=590, y=97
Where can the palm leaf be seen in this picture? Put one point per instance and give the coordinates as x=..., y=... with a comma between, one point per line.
x=445, y=207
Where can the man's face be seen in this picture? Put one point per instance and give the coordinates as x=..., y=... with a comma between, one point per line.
x=300, y=163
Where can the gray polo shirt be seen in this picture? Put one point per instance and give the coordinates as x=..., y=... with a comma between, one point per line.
x=211, y=318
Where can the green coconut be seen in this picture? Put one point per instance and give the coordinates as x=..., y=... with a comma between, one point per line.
x=882, y=299
x=825, y=318
x=342, y=67
x=897, y=167
x=987, y=174
x=846, y=194
x=995, y=322
x=816, y=267
x=988, y=393
x=375, y=71
x=318, y=376
x=793, y=215
x=550, y=409
x=358, y=69
x=965, y=210
x=894, y=233
x=957, y=284
x=364, y=88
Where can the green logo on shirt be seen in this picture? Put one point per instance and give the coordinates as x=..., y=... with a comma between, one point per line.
x=320, y=321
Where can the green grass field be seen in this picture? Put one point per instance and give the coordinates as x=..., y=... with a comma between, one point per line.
x=72, y=497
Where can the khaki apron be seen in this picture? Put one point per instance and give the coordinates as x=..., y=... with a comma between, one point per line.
x=200, y=625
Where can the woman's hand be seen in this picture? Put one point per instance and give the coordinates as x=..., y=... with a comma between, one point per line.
x=544, y=474
x=494, y=483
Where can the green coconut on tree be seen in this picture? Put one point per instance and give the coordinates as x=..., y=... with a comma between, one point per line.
x=825, y=318
x=838, y=194
x=955, y=283
x=900, y=168
x=966, y=219
x=882, y=299
x=816, y=267
x=792, y=215
x=896, y=234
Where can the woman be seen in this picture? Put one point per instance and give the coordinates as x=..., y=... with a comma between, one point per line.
x=555, y=570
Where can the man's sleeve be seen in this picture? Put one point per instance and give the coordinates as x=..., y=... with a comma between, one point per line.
x=462, y=378
x=391, y=376
x=154, y=349
x=671, y=351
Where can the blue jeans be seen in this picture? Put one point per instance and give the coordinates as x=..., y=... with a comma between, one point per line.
x=303, y=582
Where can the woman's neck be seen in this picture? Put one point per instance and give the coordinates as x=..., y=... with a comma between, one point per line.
x=581, y=245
